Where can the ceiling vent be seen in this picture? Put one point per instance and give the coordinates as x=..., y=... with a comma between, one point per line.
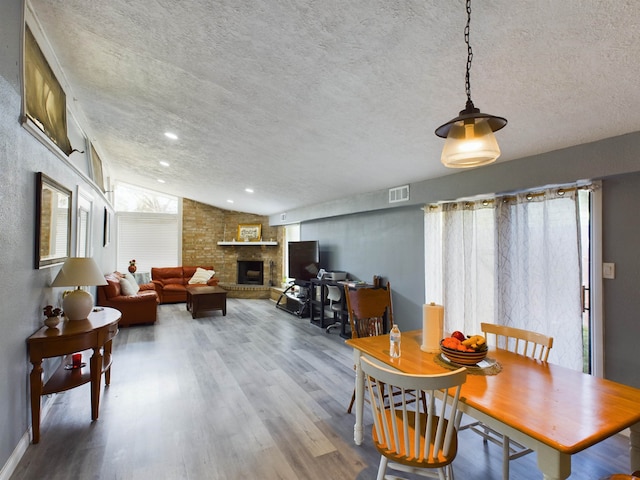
x=399, y=194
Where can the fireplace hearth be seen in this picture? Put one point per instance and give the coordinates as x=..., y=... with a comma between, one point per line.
x=250, y=272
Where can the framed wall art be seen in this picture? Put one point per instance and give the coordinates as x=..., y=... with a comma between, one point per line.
x=249, y=232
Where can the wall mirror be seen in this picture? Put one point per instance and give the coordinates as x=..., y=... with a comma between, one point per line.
x=53, y=222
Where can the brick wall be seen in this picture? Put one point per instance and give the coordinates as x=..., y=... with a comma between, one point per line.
x=203, y=226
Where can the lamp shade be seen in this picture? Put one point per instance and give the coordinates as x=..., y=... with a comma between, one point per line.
x=470, y=139
x=470, y=145
x=78, y=272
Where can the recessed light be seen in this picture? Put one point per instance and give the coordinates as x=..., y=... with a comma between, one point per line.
x=164, y=164
x=161, y=181
x=171, y=135
x=229, y=201
x=248, y=190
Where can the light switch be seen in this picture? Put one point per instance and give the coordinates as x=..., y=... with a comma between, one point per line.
x=608, y=270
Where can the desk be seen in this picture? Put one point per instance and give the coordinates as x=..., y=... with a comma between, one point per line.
x=72, y=336
x=551, y=409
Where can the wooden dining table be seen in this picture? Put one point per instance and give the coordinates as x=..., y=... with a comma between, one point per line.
x=553, y=410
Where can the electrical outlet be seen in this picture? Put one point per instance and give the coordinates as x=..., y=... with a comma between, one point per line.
x=609, y=270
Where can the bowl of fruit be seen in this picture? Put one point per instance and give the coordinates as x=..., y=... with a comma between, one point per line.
x=464, y=350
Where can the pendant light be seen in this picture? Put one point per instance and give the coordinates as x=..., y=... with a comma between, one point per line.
x=470, y=139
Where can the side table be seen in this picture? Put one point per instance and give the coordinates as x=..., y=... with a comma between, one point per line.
x=71, y=336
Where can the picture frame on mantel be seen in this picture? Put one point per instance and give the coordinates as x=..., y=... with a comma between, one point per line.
x=249, y=232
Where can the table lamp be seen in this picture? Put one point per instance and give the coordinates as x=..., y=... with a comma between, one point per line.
x=78, y=272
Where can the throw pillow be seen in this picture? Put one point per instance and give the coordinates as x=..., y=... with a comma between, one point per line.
x=126, y=288
x=132, y=281
x=201, y=276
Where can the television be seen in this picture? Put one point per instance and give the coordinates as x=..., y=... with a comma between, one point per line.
x=304, y=259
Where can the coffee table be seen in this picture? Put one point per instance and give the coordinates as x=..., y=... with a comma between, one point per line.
x=204, y=297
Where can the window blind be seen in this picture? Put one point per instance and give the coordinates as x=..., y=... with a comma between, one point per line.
x=152, y=239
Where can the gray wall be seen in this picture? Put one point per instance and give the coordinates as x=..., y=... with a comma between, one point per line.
x=612, y=156
x=368, y=236
x=24, y=291
x=621, y=245
x=388, y=243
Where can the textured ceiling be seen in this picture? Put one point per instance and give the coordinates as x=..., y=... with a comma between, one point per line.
x=311, y=100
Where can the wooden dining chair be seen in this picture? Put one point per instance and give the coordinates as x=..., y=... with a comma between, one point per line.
x=523, y=342
x=370, y=310
x=422, y=440
x=370, y=314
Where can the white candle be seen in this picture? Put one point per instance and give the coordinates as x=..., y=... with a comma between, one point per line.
x=432, y=327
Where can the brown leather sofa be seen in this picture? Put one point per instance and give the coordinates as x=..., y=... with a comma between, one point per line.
x=139, y=308
x=171, y=282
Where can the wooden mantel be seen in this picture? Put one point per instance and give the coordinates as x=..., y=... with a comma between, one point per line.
x=245, y=244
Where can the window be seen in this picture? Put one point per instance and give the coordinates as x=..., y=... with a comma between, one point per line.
x=291, y=234
x=148, y=226
x=129, y=198
x=152, y=240
x=85, y=207
x=513, y=260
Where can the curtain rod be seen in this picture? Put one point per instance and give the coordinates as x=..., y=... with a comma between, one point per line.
x=529, y=193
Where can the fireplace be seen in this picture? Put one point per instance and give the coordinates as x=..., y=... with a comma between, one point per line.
x=250, y=272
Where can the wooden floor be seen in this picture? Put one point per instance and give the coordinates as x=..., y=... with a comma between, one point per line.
x=258, y=394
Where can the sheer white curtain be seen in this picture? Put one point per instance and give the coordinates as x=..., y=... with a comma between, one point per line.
x=538, y=269
x=512, y=261
x=459, y=252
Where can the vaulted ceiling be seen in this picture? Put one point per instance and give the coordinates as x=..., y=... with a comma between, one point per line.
x=306, y=101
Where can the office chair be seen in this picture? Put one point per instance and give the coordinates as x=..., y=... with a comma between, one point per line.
x=334, y=294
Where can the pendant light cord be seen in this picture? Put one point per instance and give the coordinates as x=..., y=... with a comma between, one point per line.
x=469, y=116
x=469, y=54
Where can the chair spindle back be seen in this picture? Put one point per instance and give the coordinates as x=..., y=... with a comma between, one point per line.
x=370, y=311
x=415, y=437
x=523, y=342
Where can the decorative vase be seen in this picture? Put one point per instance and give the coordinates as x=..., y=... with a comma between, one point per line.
x=132, y=268
x=52, y=322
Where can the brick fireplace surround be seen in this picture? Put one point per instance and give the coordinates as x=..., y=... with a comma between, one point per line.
x=203, y=226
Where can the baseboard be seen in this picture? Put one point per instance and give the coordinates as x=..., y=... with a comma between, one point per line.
x=16, y=456
x=18, y=452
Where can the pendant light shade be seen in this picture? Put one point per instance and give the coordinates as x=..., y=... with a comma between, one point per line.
x=470, y=139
